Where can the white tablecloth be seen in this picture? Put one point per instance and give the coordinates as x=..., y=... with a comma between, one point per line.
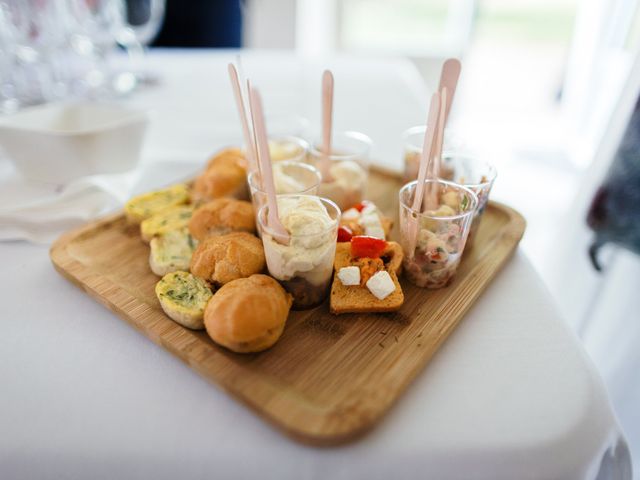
x=510, y=395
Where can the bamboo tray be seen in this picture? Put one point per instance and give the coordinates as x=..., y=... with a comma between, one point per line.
x=329, y=378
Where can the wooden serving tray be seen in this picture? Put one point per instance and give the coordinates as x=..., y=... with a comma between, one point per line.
x=329, y=378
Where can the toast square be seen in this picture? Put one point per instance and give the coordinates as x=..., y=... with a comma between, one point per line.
x=358, y=299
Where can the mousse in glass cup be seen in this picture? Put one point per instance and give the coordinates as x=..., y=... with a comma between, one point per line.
x=287, y=147
x=289, y=177
x=304, y=265
x=432, y=255
x=348, y=168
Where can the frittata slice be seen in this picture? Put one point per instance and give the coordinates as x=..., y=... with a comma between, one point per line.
x=148, y=204
x=171, y=251
x=173, y=218
x=183, y=298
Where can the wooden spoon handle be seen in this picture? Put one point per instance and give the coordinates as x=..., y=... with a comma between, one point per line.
x=327, y=122
x=425, y=157
x=273, y=220
x=246, y=132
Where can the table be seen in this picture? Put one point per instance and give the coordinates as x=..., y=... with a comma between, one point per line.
x=510, y=395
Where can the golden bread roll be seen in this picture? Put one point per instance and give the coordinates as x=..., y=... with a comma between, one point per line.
x=228, y=257
x=232, y=155
x=221, y=216
x=248, y=314
x=146, y=205
x=183, y=298
x=225, y=176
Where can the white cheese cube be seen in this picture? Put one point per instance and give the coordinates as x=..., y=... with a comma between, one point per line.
x=368, y=209
x=349, y=276
x=351, y=214
x=374, y=231
x=381, y=285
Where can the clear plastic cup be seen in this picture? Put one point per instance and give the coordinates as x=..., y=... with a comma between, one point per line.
x=433, y=249
x=290, y=177
x=412, y=141
x=304, y=267
x=349, y=168
x=287, y=147
x=473, y=173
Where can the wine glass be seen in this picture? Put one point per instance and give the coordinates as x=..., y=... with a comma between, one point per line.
x=141, y=23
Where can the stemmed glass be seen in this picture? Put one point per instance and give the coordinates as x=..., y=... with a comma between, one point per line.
x=141, y=23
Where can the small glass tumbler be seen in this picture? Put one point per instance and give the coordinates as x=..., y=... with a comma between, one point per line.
x=412, y=141
x=289, y=177
x=286, y=147
x=476, y=175
x=348, y=173
x=304, y=266
x=433, y=240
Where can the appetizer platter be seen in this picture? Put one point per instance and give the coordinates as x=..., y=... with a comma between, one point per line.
x=313, y=290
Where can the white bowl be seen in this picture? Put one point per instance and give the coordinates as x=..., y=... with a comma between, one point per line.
x=61, y=142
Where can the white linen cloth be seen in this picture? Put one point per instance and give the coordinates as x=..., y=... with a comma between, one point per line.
x=511, y=394
x=40, y=212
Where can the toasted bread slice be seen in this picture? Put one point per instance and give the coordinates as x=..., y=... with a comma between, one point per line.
x=358, y=298
x=144, y=206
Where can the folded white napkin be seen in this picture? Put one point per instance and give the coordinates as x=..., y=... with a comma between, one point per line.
x=40, y=212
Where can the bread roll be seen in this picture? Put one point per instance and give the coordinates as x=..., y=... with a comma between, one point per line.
x=224, y=258
x=221, y=216
x=225, y=176
x=248, y=315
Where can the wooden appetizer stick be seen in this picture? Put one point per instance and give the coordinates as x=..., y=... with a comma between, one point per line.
x=327, y=120
x=425, y=159
x=264, y=159
x=255, y=137
x=433, y=169
x=246, y=132
x=448, y=81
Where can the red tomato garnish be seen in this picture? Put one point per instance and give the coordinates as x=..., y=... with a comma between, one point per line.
x=344, y=234
x=360, y=206
x=369, y=247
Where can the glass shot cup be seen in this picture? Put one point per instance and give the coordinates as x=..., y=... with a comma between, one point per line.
x=473, y=173
x=412, y=141
x=286, y=147
x=433, y=248
x=304, y=266
x=348, y=168
x=289, y=177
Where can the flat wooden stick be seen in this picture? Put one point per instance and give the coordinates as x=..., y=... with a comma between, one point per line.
x=254, y=144
x=327, y=121
x=449, y=79
x=273, y=220
x=425, y=158
x=431, y=197
x=427, y=147
x=248, y=139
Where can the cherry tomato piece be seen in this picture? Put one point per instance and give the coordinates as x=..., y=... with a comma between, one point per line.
x=344, y=234
x=369, y=247
x=360, y=205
